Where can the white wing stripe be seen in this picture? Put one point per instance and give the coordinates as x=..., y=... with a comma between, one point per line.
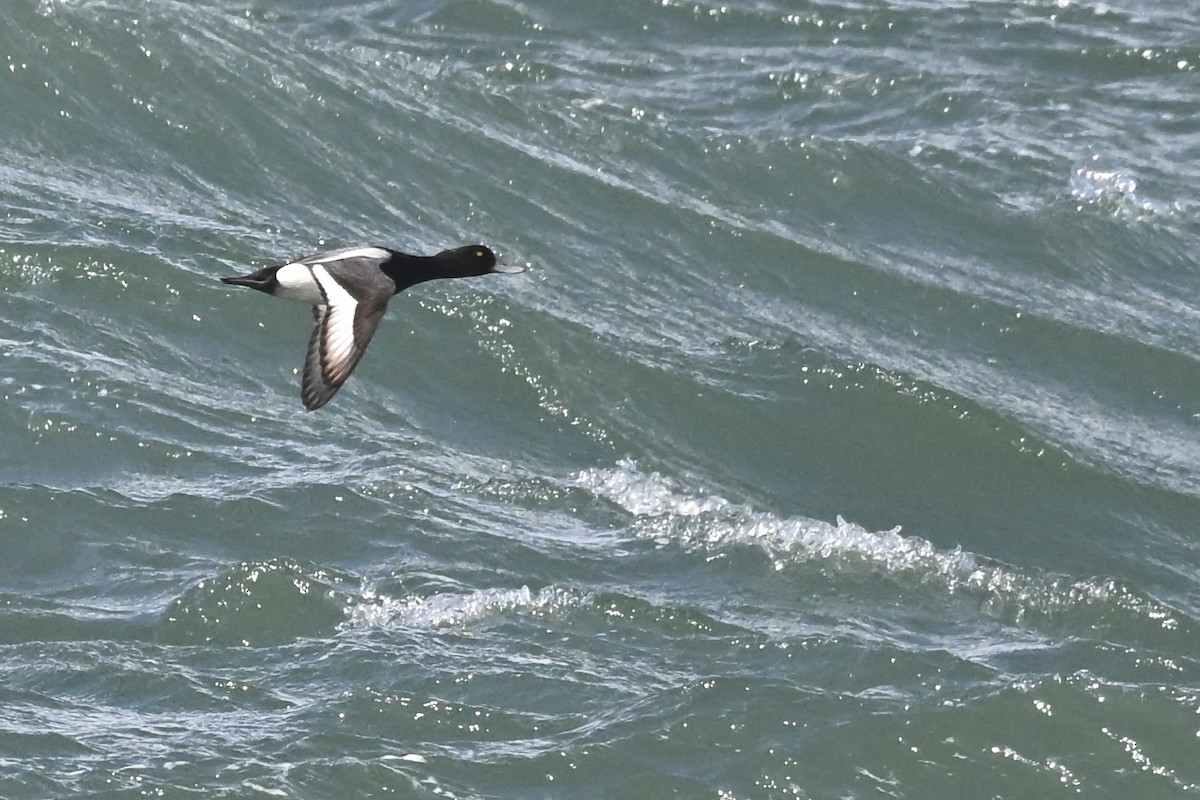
x=353, y=252
x=338, y=345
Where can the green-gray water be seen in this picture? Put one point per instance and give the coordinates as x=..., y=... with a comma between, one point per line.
x=841, y=440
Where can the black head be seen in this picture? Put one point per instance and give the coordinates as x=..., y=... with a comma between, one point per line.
x=461, y=262
x=465, y=262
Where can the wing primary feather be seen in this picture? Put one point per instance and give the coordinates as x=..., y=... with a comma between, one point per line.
x=343, y=326
x=315, y=391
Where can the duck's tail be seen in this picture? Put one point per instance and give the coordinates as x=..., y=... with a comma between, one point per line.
x=264, y=280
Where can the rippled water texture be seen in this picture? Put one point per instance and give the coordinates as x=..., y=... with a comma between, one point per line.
x=840, y=440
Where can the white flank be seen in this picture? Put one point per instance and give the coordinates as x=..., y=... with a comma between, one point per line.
x=296, y=283
x=338, y=333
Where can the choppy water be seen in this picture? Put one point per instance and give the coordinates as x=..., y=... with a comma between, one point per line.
x=841, y=440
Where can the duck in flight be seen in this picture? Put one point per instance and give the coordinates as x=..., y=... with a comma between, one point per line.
x=349, y=291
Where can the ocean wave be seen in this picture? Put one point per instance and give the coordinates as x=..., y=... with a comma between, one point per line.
x=670, y=515
x=258, y=603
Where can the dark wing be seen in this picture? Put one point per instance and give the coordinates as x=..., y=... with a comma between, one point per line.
x=342, y=328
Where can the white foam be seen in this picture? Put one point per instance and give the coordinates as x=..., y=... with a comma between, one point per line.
x=673, y=514
x=1092, y=184
x=449, y=610
x=667, y=514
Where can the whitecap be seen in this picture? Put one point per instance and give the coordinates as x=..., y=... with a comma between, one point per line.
x=453, y=609
x=667, y=514
x=1095, y=184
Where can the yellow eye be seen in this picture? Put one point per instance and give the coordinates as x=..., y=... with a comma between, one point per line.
x=479, y=253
